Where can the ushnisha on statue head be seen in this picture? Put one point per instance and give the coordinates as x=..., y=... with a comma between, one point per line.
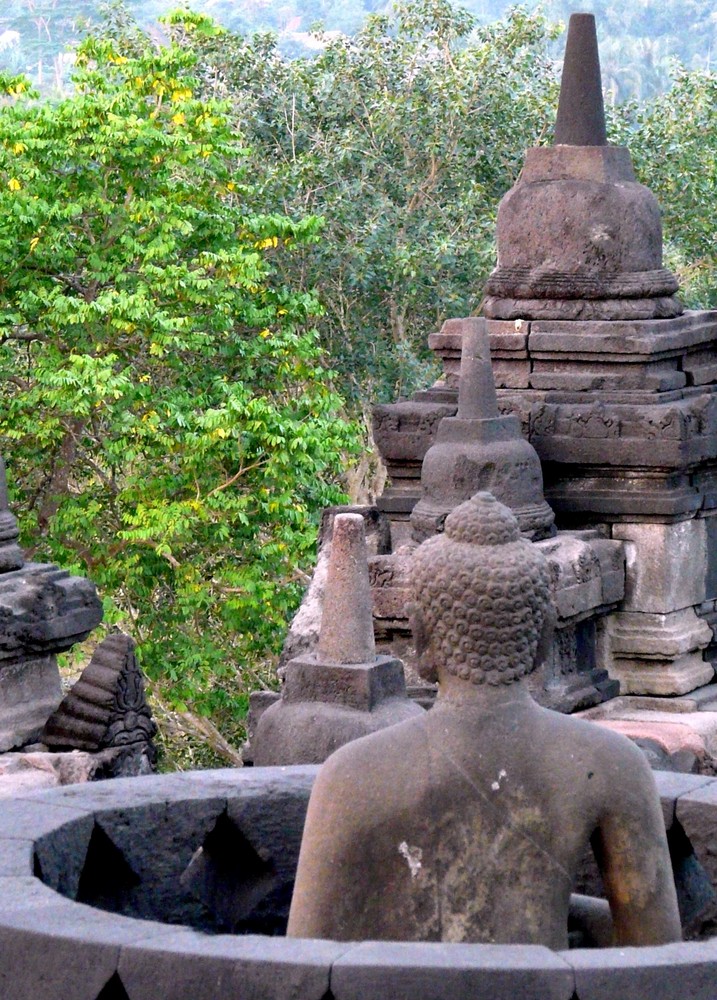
x=482, y=608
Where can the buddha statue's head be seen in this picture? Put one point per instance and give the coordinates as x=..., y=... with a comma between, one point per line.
x=482, y=608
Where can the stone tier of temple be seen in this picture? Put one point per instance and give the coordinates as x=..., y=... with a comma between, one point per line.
x=613, y=384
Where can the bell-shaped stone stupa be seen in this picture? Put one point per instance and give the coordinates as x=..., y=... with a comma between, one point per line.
x=480, y=450
x=343, y=690
x=578, y=237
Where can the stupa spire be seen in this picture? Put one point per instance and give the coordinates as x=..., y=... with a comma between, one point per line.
x=477, y=398
x=581, y=113
x=347, y=623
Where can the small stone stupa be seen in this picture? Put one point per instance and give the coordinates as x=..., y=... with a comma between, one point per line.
x=480, y=450
x=468, y=822
x=343, y=690
x=578, y=237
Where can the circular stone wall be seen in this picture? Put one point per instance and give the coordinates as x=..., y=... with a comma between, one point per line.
x=98, y=883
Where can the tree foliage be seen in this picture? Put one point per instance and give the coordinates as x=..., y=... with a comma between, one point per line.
x=640, y=40
x=403, y=138
x=673, y=146
x=170, y=425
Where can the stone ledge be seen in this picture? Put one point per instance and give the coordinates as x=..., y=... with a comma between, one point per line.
x=52, y=948
x=639, y=339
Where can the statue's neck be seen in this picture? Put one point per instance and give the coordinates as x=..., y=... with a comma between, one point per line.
x=454, y=690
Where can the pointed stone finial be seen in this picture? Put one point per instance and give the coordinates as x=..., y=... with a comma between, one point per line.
x=581, y=113
x=107, y=706
x=477, y=398
x=11, y=555
x=347, y=622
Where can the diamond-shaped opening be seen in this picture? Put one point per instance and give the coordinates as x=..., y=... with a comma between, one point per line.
x=237, y=884
x=113, y=990
x=696, y=897
x=107, y=880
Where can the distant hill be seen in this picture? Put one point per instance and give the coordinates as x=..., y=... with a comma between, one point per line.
x=639, y=40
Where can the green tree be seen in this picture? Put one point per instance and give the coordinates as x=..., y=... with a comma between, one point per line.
x=403, y=137
x=169, y=424
x=672, y=143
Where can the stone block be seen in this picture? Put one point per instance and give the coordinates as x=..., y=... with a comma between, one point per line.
x=611, y=556
x=53, y=949
x=245, y=868
x=695, y=811
x=29, y=693
x=405, y=431
x=359, y=686
x=666, y=565
x=655, y=654
x=668, y=677
x=508, y=336
x=586, y=572
x=669, y=972
x=636, y=338
x=658, y=677
x=658, y=636
x=511, y=374
x=404, y=971
x=188, y=966
x=157, y=843
x=710, y=580
x=19, y=816
x=30, y=779
x=672, y=787
x=16, y=857
x=59, y=856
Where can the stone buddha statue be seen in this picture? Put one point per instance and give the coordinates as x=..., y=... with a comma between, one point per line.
x=468, y=823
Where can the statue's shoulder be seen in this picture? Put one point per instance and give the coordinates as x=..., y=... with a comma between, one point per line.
x=376, y=760
x=609, y=757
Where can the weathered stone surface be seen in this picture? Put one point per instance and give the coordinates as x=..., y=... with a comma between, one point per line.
x=570, y=680
x=346, y=634
x=185, y=966
x=43, y=611
x=29, y=692
x=52, y=949
x=446, y=817
x=666, y=565
x=577, y=309
x=655, y=654
x=16, y=856
x=404, y=431
x=564, y=242
x=405, y=971
x=342, y=691
x=642, y=973
x=11, y=555
x=660, y=677
x=581, y=115
x=587, y=572
x=107, y=706
x=480, y=450
x=304, y=631
x=307, y=732
x=656, y=636
x=634, y=340
x=244, y=870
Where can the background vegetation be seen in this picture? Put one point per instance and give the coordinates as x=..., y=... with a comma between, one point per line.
x=639, y=40
x=215, y=255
